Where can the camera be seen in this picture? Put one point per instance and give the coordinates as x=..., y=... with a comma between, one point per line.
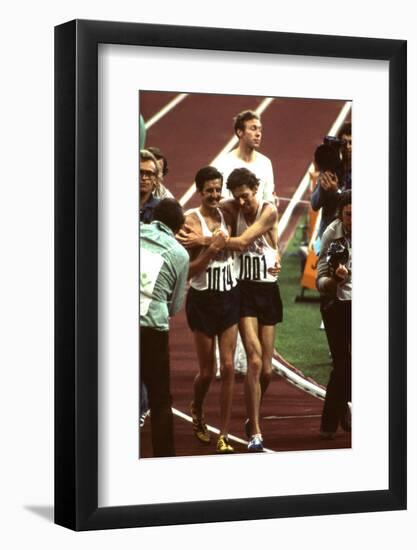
x=327, y=156
x=337, y=254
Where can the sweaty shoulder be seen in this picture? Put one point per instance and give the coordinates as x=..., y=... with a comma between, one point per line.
x=269, y=211
x=229, y=206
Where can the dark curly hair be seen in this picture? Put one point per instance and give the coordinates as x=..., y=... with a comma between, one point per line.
x=242, y=176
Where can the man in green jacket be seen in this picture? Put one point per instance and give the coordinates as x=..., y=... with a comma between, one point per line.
x=163, y=276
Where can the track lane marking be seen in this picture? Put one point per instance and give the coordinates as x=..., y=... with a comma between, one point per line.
x=165, y=110
x=217, y=431
x=295, y=417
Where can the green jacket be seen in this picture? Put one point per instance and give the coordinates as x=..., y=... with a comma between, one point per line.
x=163, y=275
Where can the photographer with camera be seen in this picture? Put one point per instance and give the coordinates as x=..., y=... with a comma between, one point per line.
x=334, y=282
x=333, y=159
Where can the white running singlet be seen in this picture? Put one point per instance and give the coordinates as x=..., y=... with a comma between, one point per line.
x=253, y=263
x=219, y=274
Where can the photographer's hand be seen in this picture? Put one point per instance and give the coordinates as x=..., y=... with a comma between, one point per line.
x=342, y=272
x=329, y=181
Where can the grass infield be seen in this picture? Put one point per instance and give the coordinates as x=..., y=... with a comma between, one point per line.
x=299, y=338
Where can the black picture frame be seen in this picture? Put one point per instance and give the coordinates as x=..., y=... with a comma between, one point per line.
x=76, y=272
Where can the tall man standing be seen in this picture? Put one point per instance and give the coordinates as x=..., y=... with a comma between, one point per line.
x=334, y=281
x=148, y=178
x=248, y=129
x=163, y=275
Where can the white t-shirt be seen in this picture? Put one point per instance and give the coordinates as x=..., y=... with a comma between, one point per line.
x=261, y=167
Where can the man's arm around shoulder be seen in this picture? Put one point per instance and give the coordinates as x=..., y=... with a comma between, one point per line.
x=266, y=221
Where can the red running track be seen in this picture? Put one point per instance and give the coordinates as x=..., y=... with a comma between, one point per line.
x=191, y=136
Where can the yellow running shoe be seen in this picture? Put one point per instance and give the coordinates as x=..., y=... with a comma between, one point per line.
x=223, y=445
x=199, y=426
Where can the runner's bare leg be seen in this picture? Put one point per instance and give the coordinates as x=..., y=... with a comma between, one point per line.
x=248, y=327
x=204, y=346
x=267, y=339
x=227, y=344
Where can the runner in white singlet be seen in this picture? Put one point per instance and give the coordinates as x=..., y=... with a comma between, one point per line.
x=256, y=267
x=212, y=305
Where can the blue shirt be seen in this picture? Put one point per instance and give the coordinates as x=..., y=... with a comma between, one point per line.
x=163, y=275
x=146, y=212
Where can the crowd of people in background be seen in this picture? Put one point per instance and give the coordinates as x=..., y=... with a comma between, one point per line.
x=222, y=260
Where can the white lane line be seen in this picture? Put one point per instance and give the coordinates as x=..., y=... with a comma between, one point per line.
x=231, y=143
x=165, y=110
x=296, y=417
x=288, y=199
x=298, y=380
x=215, y=430
x=302, y=187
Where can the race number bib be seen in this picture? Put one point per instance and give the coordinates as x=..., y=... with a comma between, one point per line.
x=150, y=266
x=220, y=278
x=252, y=268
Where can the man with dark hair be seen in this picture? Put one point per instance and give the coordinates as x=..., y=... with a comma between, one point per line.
x=257, y=266
x=212, y=304
x=163, y=276
x=334, y=281
x=331, y=184
x=248, y=129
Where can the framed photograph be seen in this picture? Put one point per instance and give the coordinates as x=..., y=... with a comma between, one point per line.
x=120, y=87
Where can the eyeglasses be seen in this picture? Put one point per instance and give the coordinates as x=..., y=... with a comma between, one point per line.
x=147, y=174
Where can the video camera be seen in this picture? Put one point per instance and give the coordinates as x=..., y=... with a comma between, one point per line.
x=327, y=156
x=337, y=254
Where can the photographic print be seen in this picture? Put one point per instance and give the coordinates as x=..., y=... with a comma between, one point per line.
x=225, y=234
x=245, y=274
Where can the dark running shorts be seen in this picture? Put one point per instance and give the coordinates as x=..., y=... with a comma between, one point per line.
x=261, y=300
x=212, y=312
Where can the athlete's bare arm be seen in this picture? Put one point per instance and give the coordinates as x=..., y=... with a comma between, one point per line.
x=230, y=208
x=190, y=235
x=200, y=257
x=266, y=224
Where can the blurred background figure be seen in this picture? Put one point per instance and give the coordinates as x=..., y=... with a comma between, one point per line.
x=333, y=160
x=148, y=179
x=161, y=192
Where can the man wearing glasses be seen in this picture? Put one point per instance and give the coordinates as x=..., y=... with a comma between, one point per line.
x=148, y=177
x=149, y=170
